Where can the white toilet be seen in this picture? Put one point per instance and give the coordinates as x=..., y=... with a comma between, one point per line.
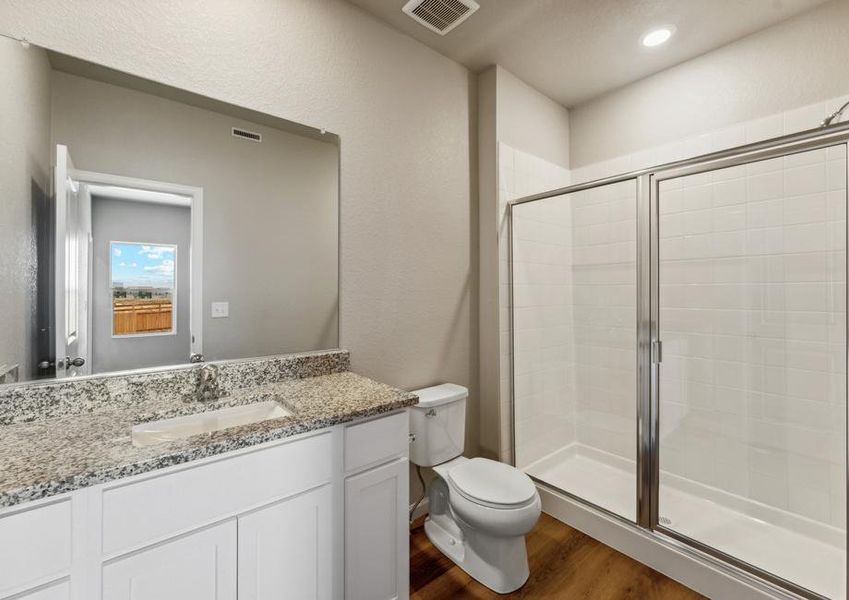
x=480, y=509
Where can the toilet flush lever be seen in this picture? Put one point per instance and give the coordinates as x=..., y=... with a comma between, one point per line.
x=431, y=412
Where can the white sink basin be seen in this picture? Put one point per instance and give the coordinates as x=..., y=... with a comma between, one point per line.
x=168, y=430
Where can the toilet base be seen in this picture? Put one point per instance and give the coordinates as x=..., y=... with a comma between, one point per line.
x=499, y=563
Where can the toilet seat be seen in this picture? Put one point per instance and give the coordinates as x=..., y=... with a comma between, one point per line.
x=492, y=484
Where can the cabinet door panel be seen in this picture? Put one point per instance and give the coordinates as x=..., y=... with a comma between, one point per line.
x=59, y=591
x=198, y=566
x=285, y=549
x=36, y=546
x=376, y=533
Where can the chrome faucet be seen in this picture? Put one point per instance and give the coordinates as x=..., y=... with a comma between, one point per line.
x=207, y=383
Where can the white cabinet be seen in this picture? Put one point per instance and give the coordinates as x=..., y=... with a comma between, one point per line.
x=197, y=566
x=59, y=591
x=39, y=549
x=285, y=550
x=377, y=441
x=376, y=533
x=170, y=503
x=279, y=520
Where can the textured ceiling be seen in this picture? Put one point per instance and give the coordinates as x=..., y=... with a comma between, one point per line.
x=574, y=50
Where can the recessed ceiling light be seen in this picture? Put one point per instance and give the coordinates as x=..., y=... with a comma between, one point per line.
x=657, y=36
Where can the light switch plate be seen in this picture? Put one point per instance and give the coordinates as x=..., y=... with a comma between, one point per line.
x=220, y=310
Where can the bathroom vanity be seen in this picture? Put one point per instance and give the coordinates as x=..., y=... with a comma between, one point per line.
x=312, y=504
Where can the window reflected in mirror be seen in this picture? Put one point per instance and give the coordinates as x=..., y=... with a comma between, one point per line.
x=143, y=286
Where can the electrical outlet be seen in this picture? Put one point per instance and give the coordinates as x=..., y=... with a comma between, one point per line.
x=220, y=310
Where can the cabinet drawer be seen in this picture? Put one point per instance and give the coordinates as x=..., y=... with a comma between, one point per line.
x=137, y=513
x=377, y=440
x=35, y=546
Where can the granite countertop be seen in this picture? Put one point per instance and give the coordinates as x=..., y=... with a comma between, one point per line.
x=61, y=453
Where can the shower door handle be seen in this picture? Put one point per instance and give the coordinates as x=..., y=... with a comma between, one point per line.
x=657, y=352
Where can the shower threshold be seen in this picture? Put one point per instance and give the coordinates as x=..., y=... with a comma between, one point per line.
x=795, y=548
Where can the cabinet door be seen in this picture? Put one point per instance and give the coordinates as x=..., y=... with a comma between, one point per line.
x=59, y=591
x=377, y=533
x=198, y=566
x=285, y=549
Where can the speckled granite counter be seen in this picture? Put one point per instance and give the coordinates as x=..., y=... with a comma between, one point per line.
x=68, y=450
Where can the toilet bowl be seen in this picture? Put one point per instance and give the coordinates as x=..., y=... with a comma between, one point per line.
x=479, y=510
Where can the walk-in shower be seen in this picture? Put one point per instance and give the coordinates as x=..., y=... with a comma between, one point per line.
x=679, y=353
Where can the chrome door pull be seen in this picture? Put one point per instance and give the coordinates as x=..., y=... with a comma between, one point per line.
x=657, y=352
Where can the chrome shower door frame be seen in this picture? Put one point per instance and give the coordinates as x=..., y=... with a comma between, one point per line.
x=827, y=139
x=648, y=343
x=642, y=262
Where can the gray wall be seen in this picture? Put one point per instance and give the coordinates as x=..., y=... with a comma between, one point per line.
x=24, y=181
x=125, y=221
x=270, y=211
x=402, y=111
x=797, y=62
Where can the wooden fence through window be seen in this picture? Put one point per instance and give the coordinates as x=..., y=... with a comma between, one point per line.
x=131, y=316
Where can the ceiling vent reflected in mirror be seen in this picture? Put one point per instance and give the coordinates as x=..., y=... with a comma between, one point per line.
x=440, y=16
x=246, y=135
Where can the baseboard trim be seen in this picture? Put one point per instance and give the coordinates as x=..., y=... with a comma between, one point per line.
x=679, y=564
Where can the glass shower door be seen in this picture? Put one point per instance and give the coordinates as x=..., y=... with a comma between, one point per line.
x=574, y=299
x=751, y=386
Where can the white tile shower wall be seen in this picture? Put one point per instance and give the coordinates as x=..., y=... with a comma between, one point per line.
x=603, y=272
x=752, y=314
x=575, y=294
x=808, y=477
x=542, y=292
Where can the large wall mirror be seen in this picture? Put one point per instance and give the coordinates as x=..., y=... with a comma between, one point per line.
x=145, y=226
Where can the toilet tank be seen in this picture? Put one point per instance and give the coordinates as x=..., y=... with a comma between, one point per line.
x=438, y=424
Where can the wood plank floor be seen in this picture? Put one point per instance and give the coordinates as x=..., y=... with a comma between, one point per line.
x=564, y=563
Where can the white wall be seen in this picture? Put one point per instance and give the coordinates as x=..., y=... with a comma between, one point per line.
x=24, y=121
x=794, y=63
x=403, y=113
x=530, y=121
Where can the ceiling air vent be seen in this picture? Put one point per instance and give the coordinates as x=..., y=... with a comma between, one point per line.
x=247, y=135
x=440, y=16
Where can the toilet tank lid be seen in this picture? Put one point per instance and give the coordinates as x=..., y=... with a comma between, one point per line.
x=440, y=394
